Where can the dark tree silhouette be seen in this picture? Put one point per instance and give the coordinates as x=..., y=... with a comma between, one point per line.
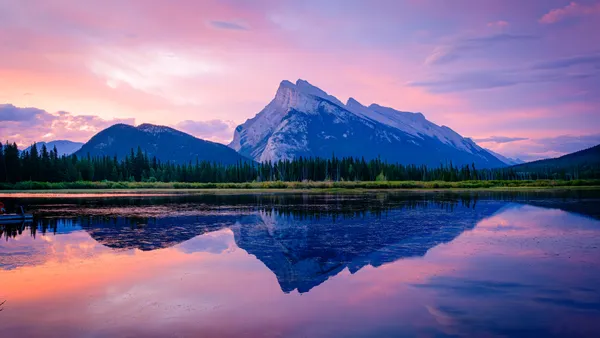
x=46, y=166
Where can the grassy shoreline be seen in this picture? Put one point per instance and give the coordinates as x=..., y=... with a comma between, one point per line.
x=290, y=186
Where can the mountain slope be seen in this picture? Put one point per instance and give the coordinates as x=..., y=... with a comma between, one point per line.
x=583, y=160
x=64, y=147
x=506, y=160
x=167, y=144
x=303, y=120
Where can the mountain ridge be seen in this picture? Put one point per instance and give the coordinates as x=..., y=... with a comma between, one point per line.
x=507, y=160
x=587, y=159
x=63, y=147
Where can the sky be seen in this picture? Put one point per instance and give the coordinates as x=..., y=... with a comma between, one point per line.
x=521, y=78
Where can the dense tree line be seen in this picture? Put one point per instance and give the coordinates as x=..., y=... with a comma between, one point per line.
x=47, y=166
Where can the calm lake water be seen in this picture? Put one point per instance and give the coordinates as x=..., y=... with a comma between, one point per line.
x=304, y=265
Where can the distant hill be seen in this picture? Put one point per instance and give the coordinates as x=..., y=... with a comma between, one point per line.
x=167, y=144
x=64, y=147
x=584, y=163
x=507, y=160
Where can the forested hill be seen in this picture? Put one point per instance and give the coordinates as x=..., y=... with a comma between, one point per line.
x=584, y=163
x=164, y=143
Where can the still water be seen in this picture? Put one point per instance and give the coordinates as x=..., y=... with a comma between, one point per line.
x=304, y=265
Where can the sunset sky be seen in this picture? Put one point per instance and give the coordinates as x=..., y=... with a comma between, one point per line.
x=520, y=77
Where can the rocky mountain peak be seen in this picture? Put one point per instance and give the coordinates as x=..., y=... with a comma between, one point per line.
x=352, y=103
x=304, y=120
x=291, y=94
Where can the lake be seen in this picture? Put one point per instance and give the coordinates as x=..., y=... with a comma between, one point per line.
x=389, y=264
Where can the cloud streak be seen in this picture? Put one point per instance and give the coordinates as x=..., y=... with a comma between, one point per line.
x=543, y=147
x=538, y=72
x=593, y=60
x=499, y=23
x=501, y=139
x=568, y=143
x=228, y=25
x=448, y=53
x=476, y=80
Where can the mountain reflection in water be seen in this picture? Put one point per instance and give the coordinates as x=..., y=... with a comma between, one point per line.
x=307, y=241
x=302, y=244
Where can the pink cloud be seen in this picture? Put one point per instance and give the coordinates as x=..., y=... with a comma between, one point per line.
x=571, y=10
x=27, y=125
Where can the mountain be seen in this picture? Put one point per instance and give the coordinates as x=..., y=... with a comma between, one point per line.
x=167, y=144
x=583, y=163
x=506, y=160
x=303, y=120
x=64, y=147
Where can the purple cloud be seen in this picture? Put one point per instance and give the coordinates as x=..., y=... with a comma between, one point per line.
x=8, y=112
x=547, y=147
x=448, y=53
x=499, y=23
x=593, y=60
x=475, y=80
x=568, y=143
x=538, y=72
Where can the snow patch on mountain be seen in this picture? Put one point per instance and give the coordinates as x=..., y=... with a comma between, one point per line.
x=413, y=124
x=156, y=129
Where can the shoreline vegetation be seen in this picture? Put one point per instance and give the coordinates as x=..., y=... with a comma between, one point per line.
x=45, y=170
x=305, y=185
